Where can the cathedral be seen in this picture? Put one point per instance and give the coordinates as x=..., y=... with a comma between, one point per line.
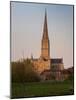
x=45, y=65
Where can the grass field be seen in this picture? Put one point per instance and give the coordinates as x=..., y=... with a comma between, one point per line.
x=37, y=89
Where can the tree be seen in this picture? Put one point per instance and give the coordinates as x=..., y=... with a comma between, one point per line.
x=23, y=72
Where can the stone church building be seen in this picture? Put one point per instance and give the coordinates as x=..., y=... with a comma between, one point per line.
x=45, y=65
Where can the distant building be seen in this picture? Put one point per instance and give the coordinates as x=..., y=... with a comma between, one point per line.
x=45, y=65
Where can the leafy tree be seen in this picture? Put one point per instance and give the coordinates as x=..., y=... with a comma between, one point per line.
x=23, y=72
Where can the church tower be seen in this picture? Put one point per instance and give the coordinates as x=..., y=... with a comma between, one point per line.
x=44, y=63
x=45, y=44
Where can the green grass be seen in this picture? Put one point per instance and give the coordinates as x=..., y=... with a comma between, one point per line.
x=47, y=88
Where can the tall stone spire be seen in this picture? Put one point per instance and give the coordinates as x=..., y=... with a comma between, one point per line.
x=45, y=29
x=45, y=46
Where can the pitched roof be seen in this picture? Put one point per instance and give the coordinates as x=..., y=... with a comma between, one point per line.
x=57, y=60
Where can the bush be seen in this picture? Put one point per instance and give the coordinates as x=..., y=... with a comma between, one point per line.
x=23, y=72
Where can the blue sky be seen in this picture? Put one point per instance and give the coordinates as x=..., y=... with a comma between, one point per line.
x=27, y=21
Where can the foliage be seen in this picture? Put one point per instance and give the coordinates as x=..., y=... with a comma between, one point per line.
x=23, y=71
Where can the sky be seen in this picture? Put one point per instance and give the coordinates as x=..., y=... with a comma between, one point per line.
x=27, y=20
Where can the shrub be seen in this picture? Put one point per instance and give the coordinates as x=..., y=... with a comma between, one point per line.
x=23, y=72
